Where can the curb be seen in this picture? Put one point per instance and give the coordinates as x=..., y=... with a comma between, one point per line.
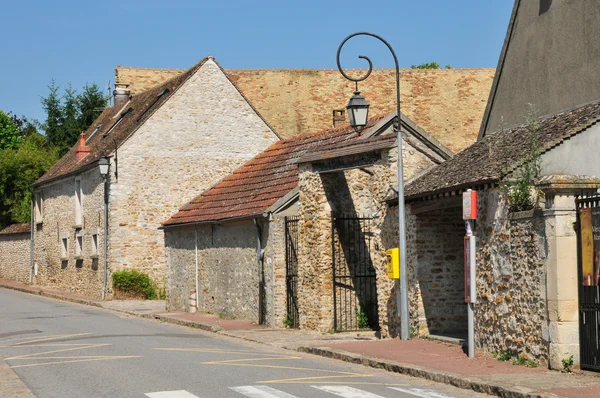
x=390, y=366
x=422, y=373
x=52, y=295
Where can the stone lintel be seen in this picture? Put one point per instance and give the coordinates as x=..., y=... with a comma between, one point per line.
x=568, y=184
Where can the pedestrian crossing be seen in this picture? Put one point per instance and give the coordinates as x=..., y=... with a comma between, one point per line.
x=262, y=391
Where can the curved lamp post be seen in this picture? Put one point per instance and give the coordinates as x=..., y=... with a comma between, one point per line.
x=104, y=167
x=358, y=110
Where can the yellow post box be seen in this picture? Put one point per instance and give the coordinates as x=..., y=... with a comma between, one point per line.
x=393, y=263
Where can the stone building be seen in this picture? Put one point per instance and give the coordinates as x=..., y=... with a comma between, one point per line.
x=447, y=103
x=527, y=262
x=258, y=244
x=14, y=253
x=164, y=145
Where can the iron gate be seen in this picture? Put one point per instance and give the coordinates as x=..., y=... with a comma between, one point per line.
x=588, y=258
x=354, y=278
x=291, y=271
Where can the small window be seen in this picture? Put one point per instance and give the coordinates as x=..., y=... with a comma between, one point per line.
x=78, y=203
x=94, y=251
x=39, y=207
x=79, y=243
x=64, y=246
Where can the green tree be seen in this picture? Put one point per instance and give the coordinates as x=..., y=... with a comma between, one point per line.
x=91, y=103
x=54, y=116
x=10, y=134
x=429, y=65
x=70, y=114
x=19, y=168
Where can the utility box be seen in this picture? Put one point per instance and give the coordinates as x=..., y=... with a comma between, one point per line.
x=469, y=200
x=393, y=263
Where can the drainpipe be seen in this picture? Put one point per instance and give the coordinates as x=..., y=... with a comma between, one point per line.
x=31, y=237
x=196, y=248
x=261, y=279
x=105, y=238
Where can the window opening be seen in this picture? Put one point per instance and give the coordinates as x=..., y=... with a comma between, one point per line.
x=79, y=243
x=164, y=92
x=78, y=203
x=95, y=243
x=123, y=114
x=64, y=247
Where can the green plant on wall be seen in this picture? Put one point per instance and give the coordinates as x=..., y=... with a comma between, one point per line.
x=133, y=283
x=520, y=190
x=567, y=363
x=287, y=321
x=362, y=319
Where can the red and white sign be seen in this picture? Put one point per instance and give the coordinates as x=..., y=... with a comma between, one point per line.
x=470, y=205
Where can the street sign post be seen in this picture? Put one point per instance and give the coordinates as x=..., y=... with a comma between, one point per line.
x=470, y=215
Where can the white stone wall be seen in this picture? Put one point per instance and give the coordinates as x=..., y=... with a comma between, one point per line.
x=203, y=133
x=14, y=257
x=83, y=275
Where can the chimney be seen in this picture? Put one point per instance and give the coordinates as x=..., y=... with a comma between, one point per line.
x=121, y=94
x=82, y=149
x=338, y=117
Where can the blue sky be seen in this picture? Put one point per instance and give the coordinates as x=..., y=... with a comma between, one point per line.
x=82, y=41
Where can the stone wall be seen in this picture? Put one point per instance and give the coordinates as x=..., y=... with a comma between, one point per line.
x=14, y=257
x=81, y=274
x=511, y=313
x=275, y=272
x=201, y=134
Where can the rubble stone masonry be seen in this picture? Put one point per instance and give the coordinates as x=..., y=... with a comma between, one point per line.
x=14, y=257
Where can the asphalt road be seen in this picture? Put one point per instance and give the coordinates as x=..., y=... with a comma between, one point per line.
x=65, y=350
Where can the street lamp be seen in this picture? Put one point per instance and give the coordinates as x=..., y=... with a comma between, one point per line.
x=358, y=109
x=104, y=166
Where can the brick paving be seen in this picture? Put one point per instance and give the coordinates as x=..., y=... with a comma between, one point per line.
x=433, y=360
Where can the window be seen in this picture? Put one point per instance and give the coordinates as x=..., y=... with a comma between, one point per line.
x=39, y=207
x=79, y=243
x=78, y=203
x=64, y=246
x=95, y=243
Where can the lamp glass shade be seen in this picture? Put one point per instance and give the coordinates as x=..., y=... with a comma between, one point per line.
x=103, y=165
x=358, y=110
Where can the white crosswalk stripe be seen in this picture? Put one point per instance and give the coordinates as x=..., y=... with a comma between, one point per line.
x=347, y=392
x=261, y=392
x=420, y=392
x=170, y=394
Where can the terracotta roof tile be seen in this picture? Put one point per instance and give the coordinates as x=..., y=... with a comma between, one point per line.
x=142, y=107
x=448, y=103
x=498, y=154
x=257, y=185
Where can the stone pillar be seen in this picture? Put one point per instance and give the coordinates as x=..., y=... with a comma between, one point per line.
x=562, y=328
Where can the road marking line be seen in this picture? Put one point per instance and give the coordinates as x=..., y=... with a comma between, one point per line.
x=261, y=392
x=78, y=360
x=246, y=360
x=214, y=350
x=55, y=351
x=42, y=345
x=420, y=392
x=347, y=392
x=71, y=357
x=53, y=338
x=312, y=378
x=360, y=383
x=170, y=394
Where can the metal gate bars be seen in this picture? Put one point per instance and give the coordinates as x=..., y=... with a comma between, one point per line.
x=291, y=271
x=588, y=264
x=354, y=278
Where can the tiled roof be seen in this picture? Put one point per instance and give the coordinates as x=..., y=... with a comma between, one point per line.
x=447, y=103
x=257, y=185
x=16, y=229
x=142, y=107
x=496, y=155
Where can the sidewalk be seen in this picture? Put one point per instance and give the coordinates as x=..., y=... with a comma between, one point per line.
x=434, y=360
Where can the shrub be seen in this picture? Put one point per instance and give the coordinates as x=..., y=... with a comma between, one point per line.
x=134, y=283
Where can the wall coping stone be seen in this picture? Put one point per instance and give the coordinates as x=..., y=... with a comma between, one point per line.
x=568, y=183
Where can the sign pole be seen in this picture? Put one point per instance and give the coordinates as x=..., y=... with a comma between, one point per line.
x=469, y=215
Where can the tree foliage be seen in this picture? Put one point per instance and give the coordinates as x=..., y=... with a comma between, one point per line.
x=10, y=135
x=19, y=168
x=429, y=65
x=71, y=113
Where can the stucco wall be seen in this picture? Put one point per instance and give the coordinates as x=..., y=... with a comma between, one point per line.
x=551, y=62
x=14, y=257
x=83, y=275
x=570, y=156
x=201, y=134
